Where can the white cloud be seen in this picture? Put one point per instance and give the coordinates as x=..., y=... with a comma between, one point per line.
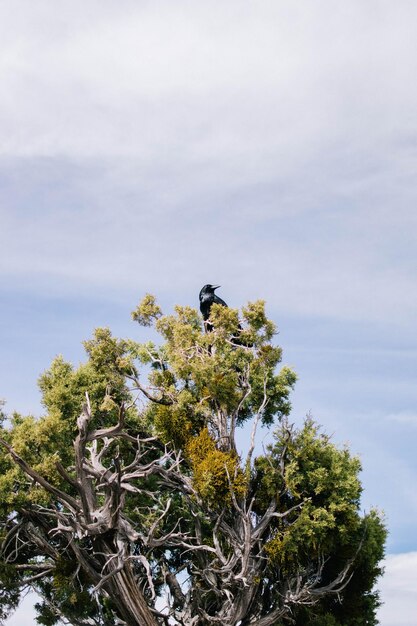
x=398, y=589
x=268, y=81
x=272, y=139
x=407, y=418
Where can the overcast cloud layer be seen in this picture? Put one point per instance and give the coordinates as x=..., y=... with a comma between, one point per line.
x=278, y=120
x=270, y=147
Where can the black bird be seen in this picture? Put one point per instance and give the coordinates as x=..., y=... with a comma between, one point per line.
x=207, y=298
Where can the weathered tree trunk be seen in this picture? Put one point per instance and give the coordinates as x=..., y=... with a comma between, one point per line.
x=126, y=595
x=129, y=600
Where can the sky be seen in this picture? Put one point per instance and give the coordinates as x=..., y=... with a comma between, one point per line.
x=269, y=147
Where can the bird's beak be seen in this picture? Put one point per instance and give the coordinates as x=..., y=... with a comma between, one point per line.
x=216, y=287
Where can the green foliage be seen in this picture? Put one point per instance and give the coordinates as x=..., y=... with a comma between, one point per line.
x=176, y=423
x=46, y=441
x=2, y=411
x=69, y=587
x=322, y=481
x=9, y=590
x=147, y=311
x=358, y=603
x=214, y=370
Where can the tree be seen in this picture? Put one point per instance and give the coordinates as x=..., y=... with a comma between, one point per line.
x=128, y=502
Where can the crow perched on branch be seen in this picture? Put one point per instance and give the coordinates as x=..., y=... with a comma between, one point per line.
x=207, y=298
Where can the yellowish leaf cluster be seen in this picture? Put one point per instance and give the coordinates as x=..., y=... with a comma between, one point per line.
x=216, y=474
